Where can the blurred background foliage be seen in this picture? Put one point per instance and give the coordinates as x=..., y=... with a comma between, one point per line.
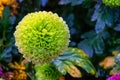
x=94, y=28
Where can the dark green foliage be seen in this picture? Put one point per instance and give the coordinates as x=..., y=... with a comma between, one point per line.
x=6, y=38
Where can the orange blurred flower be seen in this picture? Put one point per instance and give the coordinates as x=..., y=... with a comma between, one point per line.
x=19, y=71
x=12, y=3
x=108, y=62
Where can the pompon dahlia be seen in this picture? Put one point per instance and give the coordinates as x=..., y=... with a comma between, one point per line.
x=41, y=36
x=47, y=72
x=111, y=2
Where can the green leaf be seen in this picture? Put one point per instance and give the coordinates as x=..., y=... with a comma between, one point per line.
x=60, y=66
x=85, y=64
x=6, y=54
x=72, y=69
x=93, y=43
x=104, y=17
x=5, y=17
x=71, y=58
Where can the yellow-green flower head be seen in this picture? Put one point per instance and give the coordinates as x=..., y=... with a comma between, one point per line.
x=47, y=72
x=112, y=2
x=41, y=36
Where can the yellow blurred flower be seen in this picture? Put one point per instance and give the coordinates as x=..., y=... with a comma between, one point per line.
x=12, y=3
x=19, y=71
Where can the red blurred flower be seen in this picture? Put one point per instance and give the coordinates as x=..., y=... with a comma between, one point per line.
x=114, y=77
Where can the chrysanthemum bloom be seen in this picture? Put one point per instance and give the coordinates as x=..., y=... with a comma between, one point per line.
x=47, y=72
x=115, y=77
x=112, y=2
x=41, y=36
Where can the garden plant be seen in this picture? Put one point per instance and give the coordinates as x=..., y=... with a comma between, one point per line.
x=59, y=40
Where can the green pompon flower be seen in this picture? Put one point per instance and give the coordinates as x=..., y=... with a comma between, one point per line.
x=114, y=3
x=47, y=72
x=41, y=36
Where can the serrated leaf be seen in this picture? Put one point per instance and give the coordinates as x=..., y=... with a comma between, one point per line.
x=87, y=3
x=95, y=16
x=5, y=16
x=72, y=69
x=100, y=26
x=81, y=61
x=4, y=20
x=70, y=59
x=86, y=65
x=77, y=52
x=60, y=66
x=85, y=45
x=96, y=12
x=6, y=12
x=99, y=45
x=69, y=18
x=117, y=28
x=104, y=17
x=77, y=2
x=105, y=34
x=108, y=18
x=90, y=34
x=6, y=54
x=93, y=42
x=14, y=50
